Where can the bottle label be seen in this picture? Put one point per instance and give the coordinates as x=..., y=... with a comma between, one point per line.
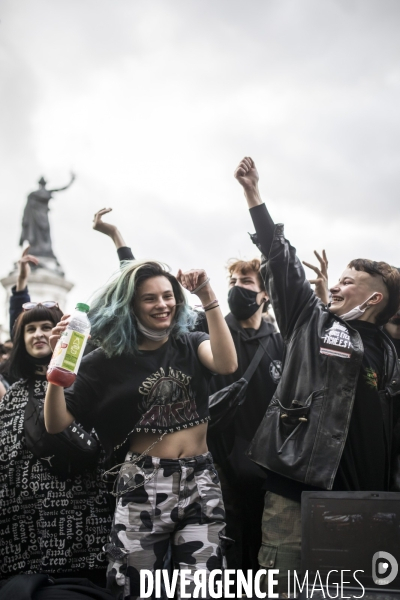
x=69, y=350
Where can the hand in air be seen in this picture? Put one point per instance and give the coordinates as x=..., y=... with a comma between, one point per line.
x=246, y=173
x=321, y=281
x=100, y=225
x=24, y=269
x=191, y=280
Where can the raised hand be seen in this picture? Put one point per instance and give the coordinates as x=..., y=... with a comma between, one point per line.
x=246, y=173
x=197, y=282
x=24, y=269
x=100, y=225
x=192, y=279
x=107, y=228
x=321, y=281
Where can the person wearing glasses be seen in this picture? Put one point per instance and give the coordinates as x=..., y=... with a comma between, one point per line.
x=47, y=524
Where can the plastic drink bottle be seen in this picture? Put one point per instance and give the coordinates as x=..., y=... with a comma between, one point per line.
x=68, y=352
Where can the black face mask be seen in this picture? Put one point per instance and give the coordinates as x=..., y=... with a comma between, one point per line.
x=242, y=302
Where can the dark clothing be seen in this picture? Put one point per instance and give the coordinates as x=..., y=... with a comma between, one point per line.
x=158, y=391
x=46, y=525
x=228, y=448
x=364, y=462
x=323, y=359
x=125, y=253
x=17, y=299
x=365, y=444
x=243, y=513
x=264, y=381
x=241, y=479
x=43, y=587
x=396, y=344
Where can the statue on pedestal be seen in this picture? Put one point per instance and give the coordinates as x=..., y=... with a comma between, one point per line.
x=35, y=222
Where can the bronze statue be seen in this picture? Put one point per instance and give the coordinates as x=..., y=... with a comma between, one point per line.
x=35, y=222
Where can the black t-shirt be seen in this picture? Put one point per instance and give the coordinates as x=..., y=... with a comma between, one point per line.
x=163, y=390
x=364, y=462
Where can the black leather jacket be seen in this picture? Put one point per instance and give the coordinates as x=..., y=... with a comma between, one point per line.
x=304, y=430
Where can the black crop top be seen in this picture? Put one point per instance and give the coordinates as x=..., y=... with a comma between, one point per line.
x=163, y=390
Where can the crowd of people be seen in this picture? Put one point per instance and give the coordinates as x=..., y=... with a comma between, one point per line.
x=172, y=488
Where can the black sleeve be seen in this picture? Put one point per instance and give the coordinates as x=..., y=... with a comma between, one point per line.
x=197, y=337
x=17, y=299
x=289, y=290
x=125, y=253
x=265, y=227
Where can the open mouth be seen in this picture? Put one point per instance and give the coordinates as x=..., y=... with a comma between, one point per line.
x=161, y=316
x=337, y=299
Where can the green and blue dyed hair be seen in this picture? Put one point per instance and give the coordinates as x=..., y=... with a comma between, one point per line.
x=111, y=314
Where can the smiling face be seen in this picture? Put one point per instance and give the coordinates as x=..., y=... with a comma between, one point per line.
x=36, y=338
x=155, y=303
x=353, y=289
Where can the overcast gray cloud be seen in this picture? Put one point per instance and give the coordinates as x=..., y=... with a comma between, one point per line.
x=153, y=105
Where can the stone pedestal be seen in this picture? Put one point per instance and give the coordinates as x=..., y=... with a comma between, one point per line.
x=44, y=284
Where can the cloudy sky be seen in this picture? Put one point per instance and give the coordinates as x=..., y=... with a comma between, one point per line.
x=153, y=104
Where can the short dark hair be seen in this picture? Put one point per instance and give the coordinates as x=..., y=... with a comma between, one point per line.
x=18, y=365
x=391, y=279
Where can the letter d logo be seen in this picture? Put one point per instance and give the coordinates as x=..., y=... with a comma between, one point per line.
x=380, y=568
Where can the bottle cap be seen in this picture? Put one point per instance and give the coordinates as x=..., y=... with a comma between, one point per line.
x=82, y=307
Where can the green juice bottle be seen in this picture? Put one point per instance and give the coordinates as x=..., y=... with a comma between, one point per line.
x=69, y=350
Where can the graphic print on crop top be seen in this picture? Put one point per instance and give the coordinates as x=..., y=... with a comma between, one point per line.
x=167, y=400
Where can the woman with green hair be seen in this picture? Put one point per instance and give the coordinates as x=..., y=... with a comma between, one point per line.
x=145, y=390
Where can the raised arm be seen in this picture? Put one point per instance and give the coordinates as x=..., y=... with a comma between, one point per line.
x=56, y=415
x=19, y=293
x=112, y=231
x=289, y=291
x=218, y=353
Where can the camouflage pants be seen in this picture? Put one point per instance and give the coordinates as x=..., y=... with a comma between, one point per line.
x=281, y=540
x=178, y=503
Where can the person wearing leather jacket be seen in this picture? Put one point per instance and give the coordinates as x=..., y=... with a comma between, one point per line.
x=333, y=422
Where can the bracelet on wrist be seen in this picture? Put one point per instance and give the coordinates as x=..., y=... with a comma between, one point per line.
x=205, y=306
x=211, y=307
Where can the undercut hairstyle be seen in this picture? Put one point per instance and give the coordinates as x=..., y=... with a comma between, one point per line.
x=244, y=267
x=20, y=364
x=390, y=277
x=114, y=325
